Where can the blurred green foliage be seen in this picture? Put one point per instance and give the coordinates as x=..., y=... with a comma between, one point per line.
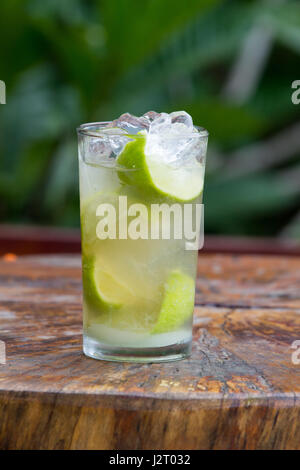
x=73, y=61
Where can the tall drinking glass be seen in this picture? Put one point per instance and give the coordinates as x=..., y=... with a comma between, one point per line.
x=139, y=226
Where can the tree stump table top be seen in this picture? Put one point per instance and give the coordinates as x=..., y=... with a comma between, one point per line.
x=239, y=390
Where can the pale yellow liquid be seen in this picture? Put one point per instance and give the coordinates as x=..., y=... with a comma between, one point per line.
x=142, y=265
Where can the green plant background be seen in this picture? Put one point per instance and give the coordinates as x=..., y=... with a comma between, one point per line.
x=65, y=62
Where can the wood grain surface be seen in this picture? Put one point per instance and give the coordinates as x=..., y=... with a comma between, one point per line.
x=239, y=390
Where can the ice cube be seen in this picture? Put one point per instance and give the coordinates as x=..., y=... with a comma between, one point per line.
x=182, y=117
x=194, y=149
x=161, y=124
x=104, y=149
x=130, y=123
x=97, y=150
x=150, y=116
x=117, y=144
x=172, y=139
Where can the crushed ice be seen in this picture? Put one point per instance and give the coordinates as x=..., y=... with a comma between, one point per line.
x=171, y=138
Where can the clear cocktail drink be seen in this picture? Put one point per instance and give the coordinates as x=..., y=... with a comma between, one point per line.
x=139, y=224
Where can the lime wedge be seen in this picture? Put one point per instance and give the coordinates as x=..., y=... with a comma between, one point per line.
x=182, y=184
x=101, y=289
x=178, y=302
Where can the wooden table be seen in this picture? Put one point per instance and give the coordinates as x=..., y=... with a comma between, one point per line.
x=239, y=390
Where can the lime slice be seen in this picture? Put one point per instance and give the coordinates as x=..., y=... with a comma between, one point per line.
x=101, y=289
x=178, y=302
x=182, y=184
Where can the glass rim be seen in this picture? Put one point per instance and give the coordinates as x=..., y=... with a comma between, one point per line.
x=85, y=130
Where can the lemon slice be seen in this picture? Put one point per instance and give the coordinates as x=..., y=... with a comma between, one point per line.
x=182, y=184
x=178, y=302
x=101, y=289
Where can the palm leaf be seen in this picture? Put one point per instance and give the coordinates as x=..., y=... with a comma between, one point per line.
x=284, y=20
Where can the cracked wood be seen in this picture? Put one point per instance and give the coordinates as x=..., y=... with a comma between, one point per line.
x=239, y=390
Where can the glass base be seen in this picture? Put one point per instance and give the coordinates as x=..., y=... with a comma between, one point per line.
x=97, y=350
